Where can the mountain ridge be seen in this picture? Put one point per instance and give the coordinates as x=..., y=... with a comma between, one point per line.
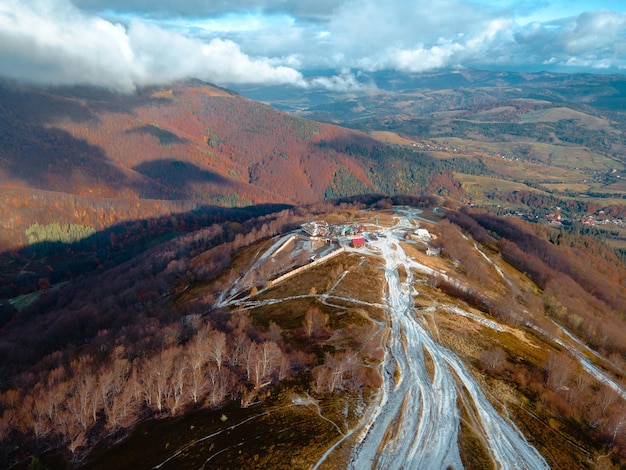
x=188, y=142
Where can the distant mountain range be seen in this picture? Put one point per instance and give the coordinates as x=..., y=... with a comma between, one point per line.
x=472, y=87
x=552, y=143
x=75, y=161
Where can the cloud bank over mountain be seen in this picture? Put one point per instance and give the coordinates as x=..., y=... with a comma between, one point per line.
x=125, y=44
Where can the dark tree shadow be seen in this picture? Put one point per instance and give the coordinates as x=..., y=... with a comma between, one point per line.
x=177, y=176
x=164, y=136
x=47, y=157
x=36, y=152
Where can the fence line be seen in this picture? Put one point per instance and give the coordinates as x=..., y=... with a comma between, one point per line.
x=312, y=264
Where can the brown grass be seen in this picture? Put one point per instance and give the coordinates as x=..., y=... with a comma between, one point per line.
x=429, y=364
x=526, y=353
x=473, y=448
x=562, y=113
x=391, y=138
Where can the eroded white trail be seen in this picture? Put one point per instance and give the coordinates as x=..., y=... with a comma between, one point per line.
x=417, y=422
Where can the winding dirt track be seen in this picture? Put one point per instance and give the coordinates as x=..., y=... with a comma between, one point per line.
x=416, y=423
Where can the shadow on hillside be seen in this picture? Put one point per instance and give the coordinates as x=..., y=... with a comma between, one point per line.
x=164, y=136
x=177, y=177
x=46, y=157
x=353, y=143
x=52, y=159
x=36, y=152
x=38, y=266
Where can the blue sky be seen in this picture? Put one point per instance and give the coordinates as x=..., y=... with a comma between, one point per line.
x=123, y=44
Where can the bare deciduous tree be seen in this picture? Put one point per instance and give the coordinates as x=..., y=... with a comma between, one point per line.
x=270, y=357
x=559, y=369
x=493, y=360
x=336, y=368
x=125, y=405
x=217, y=347
x=314, y=321
x=80, y=401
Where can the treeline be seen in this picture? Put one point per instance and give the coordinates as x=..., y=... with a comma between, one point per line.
x=56, y=261
x=543, y=203
x=395, y=169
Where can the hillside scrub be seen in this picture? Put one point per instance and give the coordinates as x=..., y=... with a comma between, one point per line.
x=142, y=341
x=585, y=278
x=92, y=359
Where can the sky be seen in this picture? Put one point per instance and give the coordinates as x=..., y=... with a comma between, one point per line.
x=125, y=44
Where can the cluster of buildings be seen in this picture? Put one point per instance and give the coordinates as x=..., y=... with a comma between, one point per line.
x=356, y=235
x=320, y=229
x=601, y=219
x=555, y=218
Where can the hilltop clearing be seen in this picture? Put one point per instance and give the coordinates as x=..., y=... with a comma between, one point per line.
x=425, y=341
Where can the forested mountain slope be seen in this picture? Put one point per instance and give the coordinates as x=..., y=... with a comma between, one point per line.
x=90, y=157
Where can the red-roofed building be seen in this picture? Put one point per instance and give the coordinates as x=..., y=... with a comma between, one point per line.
x=357, y=241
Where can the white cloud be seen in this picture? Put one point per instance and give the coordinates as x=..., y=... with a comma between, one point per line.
x=45, y=42
x=343, y=83
x=232, y=66
x=595, y=30
x=123, y=44
x=54, y=42
x=593, y=40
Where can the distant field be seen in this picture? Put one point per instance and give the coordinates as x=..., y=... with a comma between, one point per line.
x=390, y=138
x=477, y=187
x=488, y=183
x=566, y=187
x=535, y=172
x=560, y=156
x=562, y=113
x=493, y=113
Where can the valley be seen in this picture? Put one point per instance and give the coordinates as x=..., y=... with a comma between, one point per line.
x=547, y=143
x=295, y=235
